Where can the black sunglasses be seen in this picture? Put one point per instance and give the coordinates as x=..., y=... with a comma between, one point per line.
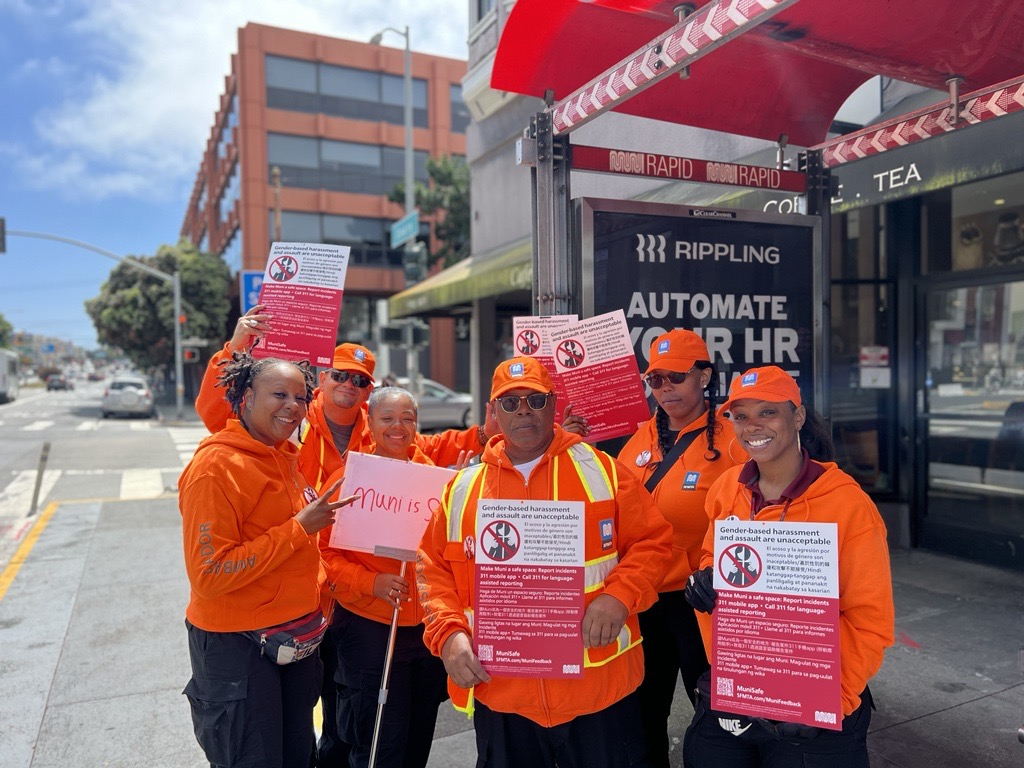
x=512, y=403
x=358, y=379
x=657, y=381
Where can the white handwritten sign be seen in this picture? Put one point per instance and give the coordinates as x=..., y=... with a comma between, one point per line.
x=395, y=500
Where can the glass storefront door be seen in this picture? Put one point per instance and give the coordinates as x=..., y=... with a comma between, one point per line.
x=974, y=422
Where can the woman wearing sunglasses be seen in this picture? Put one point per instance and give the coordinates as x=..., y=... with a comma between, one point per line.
x=678, y=454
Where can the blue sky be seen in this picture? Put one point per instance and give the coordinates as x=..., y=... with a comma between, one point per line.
x=105, y=107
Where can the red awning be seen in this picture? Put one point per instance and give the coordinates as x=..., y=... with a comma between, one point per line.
x=790, y=75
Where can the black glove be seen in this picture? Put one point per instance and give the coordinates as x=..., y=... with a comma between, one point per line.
x=699, y=590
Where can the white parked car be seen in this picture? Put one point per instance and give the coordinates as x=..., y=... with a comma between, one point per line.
x=440, y=407
x=128, y=394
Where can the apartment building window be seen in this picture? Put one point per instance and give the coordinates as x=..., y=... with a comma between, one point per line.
x=341, y=166
x=460, y=116
x=305, y=86
x=367, y=237
x=232, y=192
x=483, y=7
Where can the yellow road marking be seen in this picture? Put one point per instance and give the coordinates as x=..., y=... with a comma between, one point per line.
x=7, y=577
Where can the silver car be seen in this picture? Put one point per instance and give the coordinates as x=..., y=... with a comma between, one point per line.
x=440, y=407
x=128, y=394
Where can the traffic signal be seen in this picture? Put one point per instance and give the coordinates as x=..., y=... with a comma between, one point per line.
x=414, y=263
x=190, y=355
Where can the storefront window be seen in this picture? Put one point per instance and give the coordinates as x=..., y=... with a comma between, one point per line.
x=974, y=391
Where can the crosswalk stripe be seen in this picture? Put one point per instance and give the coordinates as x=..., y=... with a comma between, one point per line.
x=141, y=484
x=186, y=440
x=16, y=498
x=91, y=424
x=35, y=426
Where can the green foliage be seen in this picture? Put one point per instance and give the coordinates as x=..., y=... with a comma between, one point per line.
x=447, y=198
x=6, y=332
x=135, y=310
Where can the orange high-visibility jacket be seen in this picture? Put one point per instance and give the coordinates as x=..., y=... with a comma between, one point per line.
x=629, y=567
x=866, y=611
x=249, y=563
x=681, y=491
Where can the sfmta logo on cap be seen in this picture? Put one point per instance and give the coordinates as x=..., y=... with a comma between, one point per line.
x=748, y=379
x=663, y=346
x=360, y=354
x=516, y=369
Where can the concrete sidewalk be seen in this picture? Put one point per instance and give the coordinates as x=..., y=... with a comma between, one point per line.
x=94, y=655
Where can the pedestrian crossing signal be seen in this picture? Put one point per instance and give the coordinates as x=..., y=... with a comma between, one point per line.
x=190, y=355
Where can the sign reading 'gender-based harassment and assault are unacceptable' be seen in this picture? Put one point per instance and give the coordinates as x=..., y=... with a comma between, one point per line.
x=302, y=289
x=776, y=622
x=528, y=610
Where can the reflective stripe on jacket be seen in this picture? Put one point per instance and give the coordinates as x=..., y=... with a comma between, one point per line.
x=627, y=565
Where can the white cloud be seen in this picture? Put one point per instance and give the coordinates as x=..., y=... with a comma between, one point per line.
x=137, y=119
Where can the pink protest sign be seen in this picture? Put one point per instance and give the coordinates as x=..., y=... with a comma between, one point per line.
x=394, y=502
x=528, y=604
x=595, y=363
x=302, y=288
x=776, y=622
x=533, y=339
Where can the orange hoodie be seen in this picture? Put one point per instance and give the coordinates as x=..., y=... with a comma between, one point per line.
x=681, y=491
x=249, y=563
x=866, y=611
x=443, y=448
x=631, y=571
x=350, y=574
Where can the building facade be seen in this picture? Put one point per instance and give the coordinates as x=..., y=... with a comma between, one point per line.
x=308, y=142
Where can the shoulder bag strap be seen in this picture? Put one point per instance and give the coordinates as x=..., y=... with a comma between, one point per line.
x=673, y=456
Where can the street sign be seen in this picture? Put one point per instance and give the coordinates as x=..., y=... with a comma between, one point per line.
x=405, y=229
x=249, y=282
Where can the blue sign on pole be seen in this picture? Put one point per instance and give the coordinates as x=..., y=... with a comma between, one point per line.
x=249, y=283
x=405, y=229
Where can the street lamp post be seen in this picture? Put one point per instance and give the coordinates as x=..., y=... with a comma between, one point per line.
x=412, y=354
x=174, y=279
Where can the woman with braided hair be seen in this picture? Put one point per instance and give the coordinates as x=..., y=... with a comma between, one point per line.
x=678, y=454
x=250, y=524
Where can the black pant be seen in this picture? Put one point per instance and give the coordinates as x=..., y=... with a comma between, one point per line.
x=331, y=750
x=725, y=740
x=672, y=646
x=611, y=738
x=247, y=710
x=416, y=687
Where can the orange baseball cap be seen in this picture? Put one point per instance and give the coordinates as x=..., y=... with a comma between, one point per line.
x=769, y=384
x=354, y=357
x=677, y=351
x=520, y=373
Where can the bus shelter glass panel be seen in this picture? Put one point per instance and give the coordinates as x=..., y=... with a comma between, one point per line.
x=974, y=411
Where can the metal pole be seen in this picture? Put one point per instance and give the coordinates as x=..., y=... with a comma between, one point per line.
x=179, y=372
x=411, y=352
x=410, y=180
x=382, y=696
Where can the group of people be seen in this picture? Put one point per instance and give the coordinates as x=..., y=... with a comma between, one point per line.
x=257, y=510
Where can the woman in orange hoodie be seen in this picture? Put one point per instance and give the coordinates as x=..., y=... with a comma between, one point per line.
x=369, y=589
x=789, y=479
x=698, y=446
x=250, y=523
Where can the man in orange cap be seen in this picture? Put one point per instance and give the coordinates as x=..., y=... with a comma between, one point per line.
x=593, y=720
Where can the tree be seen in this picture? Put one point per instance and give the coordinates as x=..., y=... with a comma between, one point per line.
x=135, y=310
x=447, y=199
x=6, y=332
